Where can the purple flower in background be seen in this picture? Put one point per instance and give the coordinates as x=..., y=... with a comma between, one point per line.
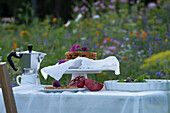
x=116, y=42
x=97, y=8
x=96, y=3
x=83, y=12
x=124, y=1
x=112, y=1
x=102, y=6
x=131, y=2
x=61, y=61
x=151, y=5
x=150, y=51
x=84, y=1
x=112, y=47
x=105, y=41
x=13, y=84
x=76, y=8
x=159, y=74
x=83, y=8
x=45, y=42
x=158, y=60
x=111, y=6
x=84, y=48
x=148, y=72
x=20, y=71
x=56, y=84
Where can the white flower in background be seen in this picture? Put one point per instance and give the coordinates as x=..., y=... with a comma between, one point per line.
x=96, y=17
x=0, y=58
x=122, y=52
x=139, y=52
x=122, y=45
x=83, y=38
x=140, y=17
x=63, y=47
x=126, y=39
x=75, y=31
x=142, y=51
x=113, y=21
x=130, y=20
x=0, y=48
x=106, y=16
x=78, y=17
x=67, y=24
x=129, y=46
x=125, y=31
x=138, y=1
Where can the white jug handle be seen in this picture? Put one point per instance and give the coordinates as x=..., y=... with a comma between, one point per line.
x=17, y=79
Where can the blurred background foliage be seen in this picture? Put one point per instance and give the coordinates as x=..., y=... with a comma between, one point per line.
x=135, y=31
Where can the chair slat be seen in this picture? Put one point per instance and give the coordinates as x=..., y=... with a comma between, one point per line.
x=7, y=89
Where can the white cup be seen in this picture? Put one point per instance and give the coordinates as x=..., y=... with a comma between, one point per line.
x=26, y=79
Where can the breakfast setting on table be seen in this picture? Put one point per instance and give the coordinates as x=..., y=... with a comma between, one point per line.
x=81, y=93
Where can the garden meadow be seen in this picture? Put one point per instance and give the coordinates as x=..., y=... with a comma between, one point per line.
x=140, y=40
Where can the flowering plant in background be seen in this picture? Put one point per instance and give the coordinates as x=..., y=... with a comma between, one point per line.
x=24, y=32
x=132, y=38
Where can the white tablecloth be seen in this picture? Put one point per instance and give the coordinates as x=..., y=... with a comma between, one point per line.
x=30, y=100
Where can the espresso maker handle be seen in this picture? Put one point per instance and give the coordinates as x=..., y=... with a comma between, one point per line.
x=10, y=60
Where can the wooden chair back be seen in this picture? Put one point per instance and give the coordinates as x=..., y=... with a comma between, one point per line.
x=7, y=89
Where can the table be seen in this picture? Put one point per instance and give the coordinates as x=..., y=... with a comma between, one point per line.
x=30, y=100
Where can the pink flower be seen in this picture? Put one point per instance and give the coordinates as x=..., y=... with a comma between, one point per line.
x=124, y=1
x=111, y=6
x=84, y=1
x=116, y=42
x=112, y=1
x=102, y=6
x=97, y=8
x=83, y=12
x=96, y=3
x=83, y=8
x=131, y=2
x=84, y=48
x=151, y=5
x=73, y=48
x=112, y=47
x=76, y=9
x=105, y=41
x=78, y=47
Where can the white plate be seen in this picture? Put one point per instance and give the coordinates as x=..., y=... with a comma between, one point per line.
x=61, y=90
